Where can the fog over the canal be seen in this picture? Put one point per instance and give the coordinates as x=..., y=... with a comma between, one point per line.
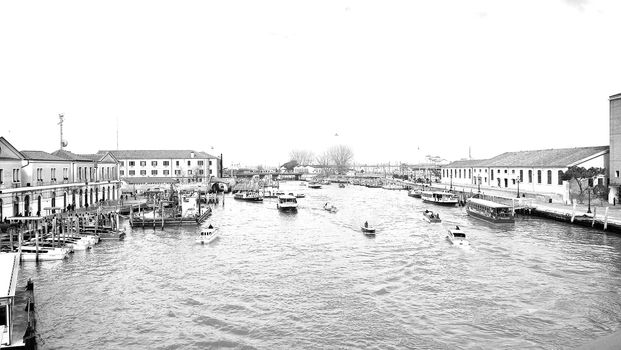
x=255, y=80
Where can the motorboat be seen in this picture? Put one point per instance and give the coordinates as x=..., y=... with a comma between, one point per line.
x=431, y=217
x=443, y=198
x=29, y=253
x=458, y=237
x=300, y=195
x=206, y=236
x=287, y=202
x=314, y=185
x=330, y=208
x=341, y=185
x=368, y=230
x=489, y=211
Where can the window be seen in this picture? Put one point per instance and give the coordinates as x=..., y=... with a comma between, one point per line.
x=154, y=163
x=491, y=173
x=1, y=177
x=189, y=162
x=505, y=171
x=166, y=172
x=538, y=176
x=600, y=181
x=617, y=173
x=210, y=162
x=39, y=174
x=143, y=172
x=122, y=163
x=166, y=163
x=132, y=172
x=177, y=163
x=201, y=172
x=79, y=173
x=153, y=172
x=210, y=171
x=530, y=176
x=189, y=172
x=549, y=177
x=65, y=174
x=459, y=172
x=143, y=163
x=560, y=177
x=122, y=172
x=513, y=180
x=469, y=173
x=200, y=162
x=132, y=163
x=521, y=175
x=177, y=172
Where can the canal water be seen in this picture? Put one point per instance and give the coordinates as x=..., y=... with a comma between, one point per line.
x=312, y=280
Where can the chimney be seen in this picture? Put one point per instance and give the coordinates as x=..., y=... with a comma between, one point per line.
x=192, y=154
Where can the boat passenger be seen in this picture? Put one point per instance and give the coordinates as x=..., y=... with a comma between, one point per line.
x=366, y=224
x=210, y=226
x=456, y=227
x=437, y=216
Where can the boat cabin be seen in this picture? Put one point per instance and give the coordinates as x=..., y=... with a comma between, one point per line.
x=489, y=211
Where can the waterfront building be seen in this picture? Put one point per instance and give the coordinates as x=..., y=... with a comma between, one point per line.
x=165, y=166
x=33, y=180
x=536, y=173
x=614, y=167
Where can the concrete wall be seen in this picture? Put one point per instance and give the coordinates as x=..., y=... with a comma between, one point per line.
x=615, y=141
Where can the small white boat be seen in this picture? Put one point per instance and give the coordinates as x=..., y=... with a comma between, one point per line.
x=431, y=217
x=314, y=185
x=207, y=236
x=330, y=208
x=458, y=237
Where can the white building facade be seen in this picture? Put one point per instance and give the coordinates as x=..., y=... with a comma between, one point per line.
x=165, y=166
x=536, y=173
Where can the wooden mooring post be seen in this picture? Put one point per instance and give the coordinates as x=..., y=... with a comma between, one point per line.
x=594, y=215
x=606, y=218
x=573, y=212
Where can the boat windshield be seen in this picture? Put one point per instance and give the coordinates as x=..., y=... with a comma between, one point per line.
x=459, y=235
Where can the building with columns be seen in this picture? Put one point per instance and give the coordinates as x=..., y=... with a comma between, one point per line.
x=31, y=181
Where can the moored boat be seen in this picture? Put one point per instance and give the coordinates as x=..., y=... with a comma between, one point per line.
x=489, y=211
x=415, y=192
x=458, y=237
x=314, y=185
x=330, y=208
x=442, y=198
x=250, y=196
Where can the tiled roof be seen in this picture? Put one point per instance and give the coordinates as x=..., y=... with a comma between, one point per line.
x=69, y=155
x=615, y=97
x=94, y=157
x=158, y=154
x=468, y=163
x=561, y=157
x=40, y=155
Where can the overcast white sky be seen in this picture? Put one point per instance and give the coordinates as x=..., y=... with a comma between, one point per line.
x=256, y=79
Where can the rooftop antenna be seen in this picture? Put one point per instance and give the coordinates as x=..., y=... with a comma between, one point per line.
x=469, y=152
x=63, y=142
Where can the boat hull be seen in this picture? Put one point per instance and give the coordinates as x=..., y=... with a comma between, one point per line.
x=492, y=220
x=447, y=203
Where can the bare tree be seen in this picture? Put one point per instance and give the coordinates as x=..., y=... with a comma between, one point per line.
x=341, y=156
x=303, y=157
x=323, y=160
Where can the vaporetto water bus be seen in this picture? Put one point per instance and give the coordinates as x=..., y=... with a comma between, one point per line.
x=443, y=198
x=489, y=211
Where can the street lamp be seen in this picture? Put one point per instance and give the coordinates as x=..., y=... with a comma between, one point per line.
x=589, y=192
x=518, y=180
x=479, y=183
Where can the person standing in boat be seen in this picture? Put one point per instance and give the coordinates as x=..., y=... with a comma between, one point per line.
x=366, y=224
